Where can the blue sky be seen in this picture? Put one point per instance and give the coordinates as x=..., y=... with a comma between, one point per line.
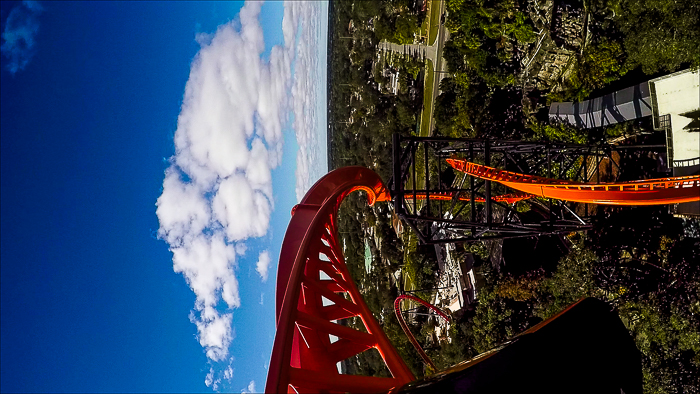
x=151, y=154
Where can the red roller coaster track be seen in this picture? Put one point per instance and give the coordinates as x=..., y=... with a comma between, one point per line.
x=645, y=192
x=404, y=327
x=309, y=342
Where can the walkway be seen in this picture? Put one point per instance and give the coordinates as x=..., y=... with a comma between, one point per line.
x=431, y=52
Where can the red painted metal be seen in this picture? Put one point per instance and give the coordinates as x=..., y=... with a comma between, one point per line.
x=507, y=198
x=645, y=192
x=304, y=356
x=404, y=326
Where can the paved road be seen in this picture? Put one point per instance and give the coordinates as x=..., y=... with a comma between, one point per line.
x=440, y=66
x=432, y=52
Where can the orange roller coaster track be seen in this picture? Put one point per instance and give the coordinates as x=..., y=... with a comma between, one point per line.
x=644, y=192
x=507, y=198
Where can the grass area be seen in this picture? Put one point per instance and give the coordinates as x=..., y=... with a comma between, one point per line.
x=434, y=21
x=427, y=113
x=420, y=179
x=424, y=131
x=410, y=242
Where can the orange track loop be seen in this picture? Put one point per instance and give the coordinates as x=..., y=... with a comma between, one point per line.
x=645, y=192
x=507, y=198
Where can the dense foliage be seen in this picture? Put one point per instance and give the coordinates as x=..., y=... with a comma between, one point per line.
x=642, y=261
x=363, y=113
x=490, y=37
x=656, y=293
x=659, y=35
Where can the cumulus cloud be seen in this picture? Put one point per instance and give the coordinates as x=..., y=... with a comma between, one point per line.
x=250, y=388
x=262, y=266
x=228, y=373
x=217, y=192
x=209, y=381
x=21, y=28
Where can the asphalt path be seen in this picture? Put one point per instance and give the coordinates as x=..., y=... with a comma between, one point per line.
x=431, y=52
x=439, y=65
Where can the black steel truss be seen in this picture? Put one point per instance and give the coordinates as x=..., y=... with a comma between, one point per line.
x=438, y=222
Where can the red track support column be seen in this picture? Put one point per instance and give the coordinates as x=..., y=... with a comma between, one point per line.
x=304, y=355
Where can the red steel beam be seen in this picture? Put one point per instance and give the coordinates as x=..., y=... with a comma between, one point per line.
x=304, y=355
x=661, y=191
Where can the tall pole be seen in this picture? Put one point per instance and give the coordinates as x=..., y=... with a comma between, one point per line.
x=487, y=184
x=471, y=188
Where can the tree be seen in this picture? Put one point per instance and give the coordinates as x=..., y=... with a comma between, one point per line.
x=660, y=35
x=522, y=288
x=405, y=27
x=557, y=132
x=573, y=280
x=600, y=64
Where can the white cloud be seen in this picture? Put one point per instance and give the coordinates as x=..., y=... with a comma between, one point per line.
x=263, y=266
x=210, y=377
x=21, y=28
x=228, y=373
x=250, y=388
x=210, y=381
x=208, y=263
x=182, y=209
x=241, y=208
x=215, y=382
x=215, y=332
x=217, y=192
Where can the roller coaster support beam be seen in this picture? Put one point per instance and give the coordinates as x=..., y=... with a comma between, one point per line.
x=472, y=209
x=309, y=343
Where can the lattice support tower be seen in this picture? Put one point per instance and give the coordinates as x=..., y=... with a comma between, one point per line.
x=478, y=208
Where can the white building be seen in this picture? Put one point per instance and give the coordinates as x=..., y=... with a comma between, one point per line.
x=675, y=101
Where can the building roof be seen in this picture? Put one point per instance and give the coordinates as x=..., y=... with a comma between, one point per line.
x=620, y=106
x=678, y=96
